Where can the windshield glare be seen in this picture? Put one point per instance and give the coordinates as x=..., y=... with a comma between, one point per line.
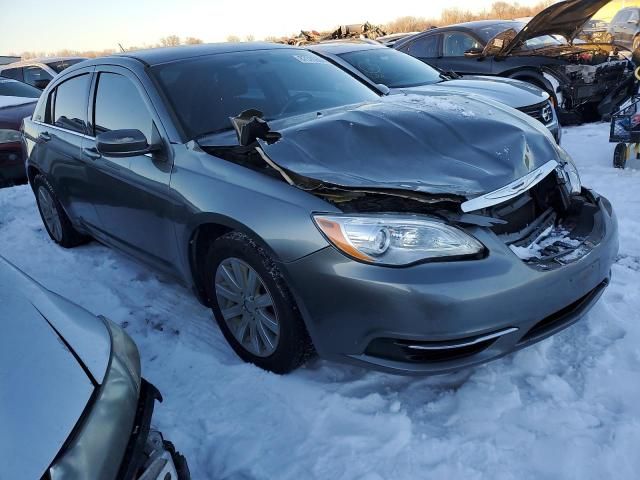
x=392, y=68
x=206, y=91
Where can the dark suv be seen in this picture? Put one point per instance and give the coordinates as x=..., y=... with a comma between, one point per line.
x=625, y=27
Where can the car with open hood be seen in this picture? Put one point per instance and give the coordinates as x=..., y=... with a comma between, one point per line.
x=17, y=101
x=394, y=72
x=312, y=214
x=73, y=404
x=585, y=80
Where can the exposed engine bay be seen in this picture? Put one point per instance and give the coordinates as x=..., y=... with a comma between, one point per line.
x=546, y=226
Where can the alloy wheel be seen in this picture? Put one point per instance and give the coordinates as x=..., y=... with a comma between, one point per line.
x=247, y=307
x=50, y=213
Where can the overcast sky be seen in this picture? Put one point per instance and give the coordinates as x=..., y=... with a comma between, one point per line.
x=37, y=25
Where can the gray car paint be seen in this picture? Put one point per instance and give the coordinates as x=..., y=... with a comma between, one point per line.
x=337, y=296
x=437, y=142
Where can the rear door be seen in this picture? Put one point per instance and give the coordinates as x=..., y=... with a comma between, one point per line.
x=131, y=194
x=59, y=135
x=425, y=48
x=454, y=46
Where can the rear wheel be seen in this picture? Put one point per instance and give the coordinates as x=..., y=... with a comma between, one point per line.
x=636, y=42
x=253, y=305
x=620, y=155
x=53, y=216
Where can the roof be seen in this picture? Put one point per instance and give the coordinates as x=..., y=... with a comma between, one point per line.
x=155, y=56
x=339, y=48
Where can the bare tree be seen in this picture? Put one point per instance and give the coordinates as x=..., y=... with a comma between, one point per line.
x=233, y=39
x=193, y=41
x=249, y=38
x=170, y=41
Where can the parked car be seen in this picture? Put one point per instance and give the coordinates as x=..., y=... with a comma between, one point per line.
x=73, y=404
x=312, y=213
x=38, y=72
x=625, y=27
x=390, y=39
x=585, y=80
x=17, y=101
x=404, y=74
x=595, y=31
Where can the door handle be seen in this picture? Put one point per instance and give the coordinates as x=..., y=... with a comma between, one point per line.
x=92, y=153
x=44, y=137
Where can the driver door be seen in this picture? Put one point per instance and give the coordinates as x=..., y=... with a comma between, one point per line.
x=131, y=194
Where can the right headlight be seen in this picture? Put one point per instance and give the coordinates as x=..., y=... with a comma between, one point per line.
x=9, y=136
x=124, y=352
x=395, y=239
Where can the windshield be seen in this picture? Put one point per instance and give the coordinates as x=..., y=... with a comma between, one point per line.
x=206, y=91
x=490, y=31
x=13, y=88
x=392, y=68
x=60, y=65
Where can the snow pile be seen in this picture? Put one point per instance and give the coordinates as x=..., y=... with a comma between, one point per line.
x=566, y=408
x=443, y=103
x=553, y=235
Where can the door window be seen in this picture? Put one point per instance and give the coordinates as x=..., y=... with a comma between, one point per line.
x=424, y=47
x=118, y=105
x=633, y=17
x=69, y=101
x=621, y=17
x=37, y=77
x=15, y=73
x=456, y=43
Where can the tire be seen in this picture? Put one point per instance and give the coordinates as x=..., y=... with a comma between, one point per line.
x=53, y=216
x=261, y=322
x=620, y=155
x=636, y=42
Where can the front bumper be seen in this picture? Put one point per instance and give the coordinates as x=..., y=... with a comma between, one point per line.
x=351, y=309
x=148, y=456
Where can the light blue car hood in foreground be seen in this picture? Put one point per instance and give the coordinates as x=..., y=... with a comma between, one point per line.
x=43, y=387
x=437, y=143
x=515, y=93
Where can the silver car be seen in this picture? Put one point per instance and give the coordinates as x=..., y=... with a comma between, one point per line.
x=72, y=402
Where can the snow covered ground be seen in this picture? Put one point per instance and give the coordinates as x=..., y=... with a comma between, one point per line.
x=567, y=408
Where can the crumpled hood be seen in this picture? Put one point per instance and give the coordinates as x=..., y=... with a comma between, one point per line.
x=442, y=143
x=515, y=93
x=43, y=387
x=565, y=18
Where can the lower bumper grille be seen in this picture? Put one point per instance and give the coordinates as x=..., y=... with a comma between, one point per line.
x=564, y=317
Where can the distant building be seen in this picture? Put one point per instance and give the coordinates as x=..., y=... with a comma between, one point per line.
x=5, y=59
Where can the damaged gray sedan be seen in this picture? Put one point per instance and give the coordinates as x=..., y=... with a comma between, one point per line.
x=413, y=234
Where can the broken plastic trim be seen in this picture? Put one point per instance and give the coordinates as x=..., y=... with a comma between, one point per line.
x=511, y=190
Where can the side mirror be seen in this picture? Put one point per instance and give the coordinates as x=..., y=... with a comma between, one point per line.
x=473, y=52
x=123, y=143
x=383, y=88
x=41, y=84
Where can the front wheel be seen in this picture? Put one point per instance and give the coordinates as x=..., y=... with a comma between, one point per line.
x=253, y=305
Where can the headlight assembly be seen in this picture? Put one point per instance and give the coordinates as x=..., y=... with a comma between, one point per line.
x=570, y=173
x=124, y=351
x=395, y=239
x=9, y=136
